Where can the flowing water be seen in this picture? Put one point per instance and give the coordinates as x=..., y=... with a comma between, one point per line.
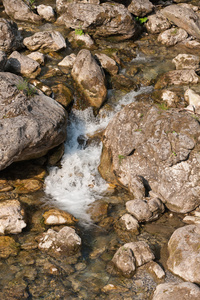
x=77, y=183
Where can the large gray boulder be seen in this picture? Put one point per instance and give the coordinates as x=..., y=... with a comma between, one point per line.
x=46, y=41
x=10, y=37
x=162, y=147
x=184, y=254
x=180, y=291
x=183, y=17
x=100, y=20
x=31, y=123
x=89, y=78
x=20, y=11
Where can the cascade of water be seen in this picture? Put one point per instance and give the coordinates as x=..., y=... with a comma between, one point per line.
x=78, y=183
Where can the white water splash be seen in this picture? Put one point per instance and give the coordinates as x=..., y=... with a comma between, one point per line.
x=77, y=183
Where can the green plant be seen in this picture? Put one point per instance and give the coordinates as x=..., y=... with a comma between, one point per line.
x=139, y=129
x=120, y=158
x=79, y=31
x=163, y=106
x=174, y=31
x=141, y=20
x=26, y=88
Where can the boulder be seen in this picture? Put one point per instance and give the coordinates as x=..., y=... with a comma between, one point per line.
x=172, y=36
x=46, y=12
x=177, y=77
x=184, y=18
x=178, y=291
x=89, y=78
x=11, y=217
x=22, y=65
x=107, y=63
x=186, y=61
x=107, y=19
x=132, y=255
x=65, y=241
x=31, y=123
x=46, y=40
x=157, y=23
x=145, y=210
x=160, y=146
x=184, y=254
x=3, y=59
x=140, y=8
x=10, y=37
x=20, y=11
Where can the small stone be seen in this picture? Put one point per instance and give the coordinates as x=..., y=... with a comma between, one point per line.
x=169, y=97
x=193, y=99
x=46, y=12
x=8, y=247
x=172, y=36
x=130, y=223
x=11, y=217
x=57, y=217
x=156, y=270
x=68, y=61
x=107, y=63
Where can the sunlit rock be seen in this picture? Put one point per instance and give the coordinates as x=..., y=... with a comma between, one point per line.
x=140, y=8
x=186, y=61
x=23, y=65
x=46, y=12
x=11, y=217
x=172, y=36
x=37, y=56
x=157, y=23
x=107, y=63
x=58, y=217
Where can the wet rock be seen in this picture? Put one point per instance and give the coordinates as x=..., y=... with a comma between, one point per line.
x=184, y=253
x=10, y=37
x=46, y=12
x=159, y=145
x=98, y=210
x=55, y=155
x=42, y=87
x=62, y=94
x=37, y=56
x=186, y=61
x=100, y=20
x=8, y=247
x=65, y=241
x=123, y=83
x=3, y=59
x=156, y=270
x=179, y=291
x=177, y=77
x=11, y=217
x=90, y=78
x=57, y=217
x=79, y=39
x=107, y=63
x=68, y=61
x=5, y=186
x=23, y=65
x=47, y=41
x=193, y=100
x=37, y=122
x=172, y=36
x=157, y=23
x=184, y=18
x=145, y=210
x=20, y=11
x=23, y=186
x=130, y=256
x=140, y=8
x=193, y=218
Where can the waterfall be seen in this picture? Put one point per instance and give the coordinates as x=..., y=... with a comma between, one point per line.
x=77, y=183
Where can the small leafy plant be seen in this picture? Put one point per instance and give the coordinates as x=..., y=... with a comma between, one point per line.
x=26, y=88
x=79, y=31
x=141, y=20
